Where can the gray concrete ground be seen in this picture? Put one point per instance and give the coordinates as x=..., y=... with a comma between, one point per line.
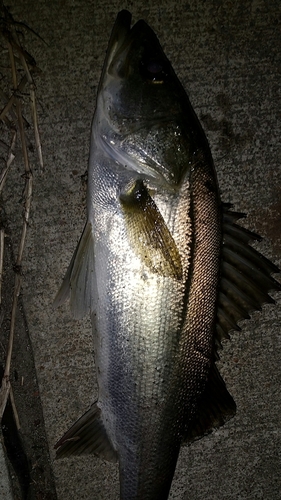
x=5, y=486
x=227, y=55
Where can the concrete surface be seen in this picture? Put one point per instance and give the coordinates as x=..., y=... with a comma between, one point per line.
x=23, y=434
x=227, y=55
x=5, y=486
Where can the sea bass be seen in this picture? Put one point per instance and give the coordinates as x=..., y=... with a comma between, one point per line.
x=162, y=267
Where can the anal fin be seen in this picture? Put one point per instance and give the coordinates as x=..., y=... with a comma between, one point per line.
x=216, y=407
x=87, y=436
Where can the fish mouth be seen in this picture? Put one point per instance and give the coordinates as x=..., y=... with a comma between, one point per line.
x=123, y=36
x=120, y=32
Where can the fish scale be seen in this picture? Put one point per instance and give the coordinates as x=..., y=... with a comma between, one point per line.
x=162, y=267
x=157, y=335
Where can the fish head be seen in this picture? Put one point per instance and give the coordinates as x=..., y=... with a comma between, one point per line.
x=144, y=118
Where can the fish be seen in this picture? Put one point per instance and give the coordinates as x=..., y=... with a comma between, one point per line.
x=162, y=267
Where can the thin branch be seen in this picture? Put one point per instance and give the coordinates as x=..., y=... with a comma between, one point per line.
x=9, y=16
x=17, y=55
x=5, y=388
x=4, y=394
x=2, y=242
x=10, y=159
x=28, y=186
x=36, y=130
x=32, y=96
x=13, y=98
x=15, y=411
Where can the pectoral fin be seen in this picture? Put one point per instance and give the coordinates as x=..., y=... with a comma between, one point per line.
x=148, y=232
x=87, y=436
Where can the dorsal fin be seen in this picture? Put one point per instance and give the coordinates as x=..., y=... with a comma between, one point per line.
x=245, y=276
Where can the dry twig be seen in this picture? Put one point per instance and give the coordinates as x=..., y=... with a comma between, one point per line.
x=9, y=161
x=17, y=55
x=2, y=242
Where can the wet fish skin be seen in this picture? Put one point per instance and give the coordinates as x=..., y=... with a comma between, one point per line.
x=142, y=391
x=155, y=268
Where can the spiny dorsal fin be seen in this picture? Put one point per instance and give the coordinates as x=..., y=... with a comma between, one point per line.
x=87, y=436
x=245, y=276
x=216, y=407
x=148, y=233
x=79, y=282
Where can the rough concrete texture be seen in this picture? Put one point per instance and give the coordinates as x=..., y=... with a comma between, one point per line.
x=5, y=486
x=227, y=55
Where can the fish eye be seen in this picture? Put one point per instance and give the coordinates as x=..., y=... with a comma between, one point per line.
x=153, y=70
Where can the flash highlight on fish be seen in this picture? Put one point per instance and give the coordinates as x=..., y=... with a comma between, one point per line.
x=162, y=267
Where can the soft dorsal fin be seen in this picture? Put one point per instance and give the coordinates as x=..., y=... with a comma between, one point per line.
x=79, y=282
x=216, y=406
x=87, y=436
x=245, y=276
